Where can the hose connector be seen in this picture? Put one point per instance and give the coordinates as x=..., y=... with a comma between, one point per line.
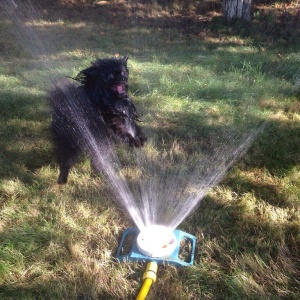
x=151, y=271
x=149, y=277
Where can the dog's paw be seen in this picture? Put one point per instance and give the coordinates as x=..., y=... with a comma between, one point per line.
x=63, y=176
x=137, y=141
x=61, y=180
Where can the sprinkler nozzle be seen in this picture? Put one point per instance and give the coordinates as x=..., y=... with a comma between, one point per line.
x=156, y=241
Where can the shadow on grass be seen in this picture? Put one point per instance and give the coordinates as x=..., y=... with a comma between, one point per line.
x=49, y=291
x=24, y=135
x=278, y=149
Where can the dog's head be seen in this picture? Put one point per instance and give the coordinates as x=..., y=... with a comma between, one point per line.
x=110, y=74
x=106, y=83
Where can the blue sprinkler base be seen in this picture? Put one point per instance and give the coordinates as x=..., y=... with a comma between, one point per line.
x=134, y=255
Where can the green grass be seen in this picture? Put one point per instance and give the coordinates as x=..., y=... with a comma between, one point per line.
x=60, y=242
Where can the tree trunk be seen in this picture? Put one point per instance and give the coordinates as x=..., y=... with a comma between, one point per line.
x=236, y=9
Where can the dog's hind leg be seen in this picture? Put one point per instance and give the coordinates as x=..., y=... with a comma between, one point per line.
x=66, y=160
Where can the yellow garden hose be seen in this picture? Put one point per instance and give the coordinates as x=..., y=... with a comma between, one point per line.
x=149, y=277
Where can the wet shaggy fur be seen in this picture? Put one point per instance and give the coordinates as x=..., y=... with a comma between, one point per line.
x=101, y=101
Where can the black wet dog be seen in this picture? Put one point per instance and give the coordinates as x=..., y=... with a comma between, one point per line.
x=100, y=99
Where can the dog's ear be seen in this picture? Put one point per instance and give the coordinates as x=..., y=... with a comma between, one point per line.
x=124, y=59
x=86, y=75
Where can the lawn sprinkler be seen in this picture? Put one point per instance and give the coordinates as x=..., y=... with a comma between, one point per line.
x=156, y=244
